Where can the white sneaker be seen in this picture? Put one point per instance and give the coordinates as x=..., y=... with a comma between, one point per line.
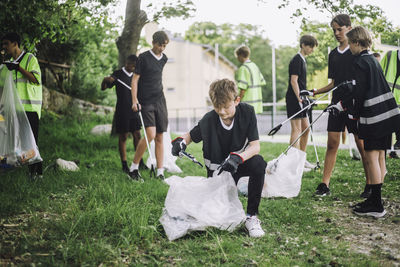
x=309, y=165
x=307, y=169
x=254, y=227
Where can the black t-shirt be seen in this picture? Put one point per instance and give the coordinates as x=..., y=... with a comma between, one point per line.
x=150, y=88
x=122, y=82
x=340, y=69
x=297, y=66
x=244, y=128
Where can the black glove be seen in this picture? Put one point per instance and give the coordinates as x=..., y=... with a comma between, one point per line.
x=307, y=92
x=178, y=145
x=12, y=65
x=231, y=163
x=335, y=109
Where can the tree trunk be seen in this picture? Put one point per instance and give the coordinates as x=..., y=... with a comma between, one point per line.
x=135, y=19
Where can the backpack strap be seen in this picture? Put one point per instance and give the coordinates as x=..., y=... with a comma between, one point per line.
x=389, y=54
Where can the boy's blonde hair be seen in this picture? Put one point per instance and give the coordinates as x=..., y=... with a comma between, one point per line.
x=243, y=51
x=360, y=35
x=221, y=92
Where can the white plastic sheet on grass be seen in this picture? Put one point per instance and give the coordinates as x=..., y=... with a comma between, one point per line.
x=17, y=144
x=194, y=203
x=285, y=179
x=169, y=160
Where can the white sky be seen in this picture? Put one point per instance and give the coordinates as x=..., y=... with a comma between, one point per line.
x=276, y=23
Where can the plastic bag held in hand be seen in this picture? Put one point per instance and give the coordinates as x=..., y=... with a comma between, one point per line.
x=17, y=144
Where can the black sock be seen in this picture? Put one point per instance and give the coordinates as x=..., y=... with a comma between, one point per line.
x=367, y=188
x=124, y=164
x=376, y=193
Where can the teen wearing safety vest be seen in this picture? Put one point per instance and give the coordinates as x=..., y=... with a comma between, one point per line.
x=391, y=68
x=249, y=80
x=27, y=77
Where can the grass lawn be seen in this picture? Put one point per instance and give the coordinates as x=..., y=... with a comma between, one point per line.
x=97, y=216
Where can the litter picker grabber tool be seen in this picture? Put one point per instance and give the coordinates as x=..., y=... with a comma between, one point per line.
x=152, y=169
x=309, y=114
x=273, y=168
x=191, y=157
x=278, y=127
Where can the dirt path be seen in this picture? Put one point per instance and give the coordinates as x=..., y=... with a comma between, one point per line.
x=370, y=236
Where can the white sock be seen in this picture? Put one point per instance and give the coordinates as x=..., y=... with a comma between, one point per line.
x=160, y=171
x=134, y=167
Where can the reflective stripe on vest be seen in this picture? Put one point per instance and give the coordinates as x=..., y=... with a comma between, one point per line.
x=378, y=99
x=32, y=102
x=380, y=117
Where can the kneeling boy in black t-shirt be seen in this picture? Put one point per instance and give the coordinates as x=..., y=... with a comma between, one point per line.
x=230, y=143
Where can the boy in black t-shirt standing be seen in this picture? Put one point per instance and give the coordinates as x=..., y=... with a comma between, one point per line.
x=340, y=69
x=297, y=83
x=148, y=96
x=125, y=120
x=230, y=143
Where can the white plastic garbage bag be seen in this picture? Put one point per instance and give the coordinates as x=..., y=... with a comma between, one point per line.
x=169, y=160
x=17, y=144
x=283, y=179
x=67, y=165
x=194, y=203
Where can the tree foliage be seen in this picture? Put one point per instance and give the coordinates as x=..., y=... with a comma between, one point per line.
x=370, y=16
x=230, y=36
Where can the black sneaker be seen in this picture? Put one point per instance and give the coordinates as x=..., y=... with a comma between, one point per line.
x=160, y=176
x=358, y=205
x=370, y=208
x=397, y=145
x=135, y=175
x=393, y=155
x=322, y=190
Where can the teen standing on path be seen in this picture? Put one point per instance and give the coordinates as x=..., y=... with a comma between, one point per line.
x=297, y=83
x=148, y=96
x=249, y=80
x=378, y=115
x=340, y=69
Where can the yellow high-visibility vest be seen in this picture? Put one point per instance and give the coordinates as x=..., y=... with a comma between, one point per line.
x=390, y=65
x=29, y=93
x=250, y=79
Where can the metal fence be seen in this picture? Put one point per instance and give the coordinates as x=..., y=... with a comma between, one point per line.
x=179, y=121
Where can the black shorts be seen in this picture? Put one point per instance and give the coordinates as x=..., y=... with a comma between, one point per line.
x=382, y=143
x=156, y=114
x=338, y=123
x=292, y=107
x=124, y=124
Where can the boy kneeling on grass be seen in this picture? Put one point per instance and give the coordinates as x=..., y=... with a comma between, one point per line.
x=377, y=113
x=230, y=143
